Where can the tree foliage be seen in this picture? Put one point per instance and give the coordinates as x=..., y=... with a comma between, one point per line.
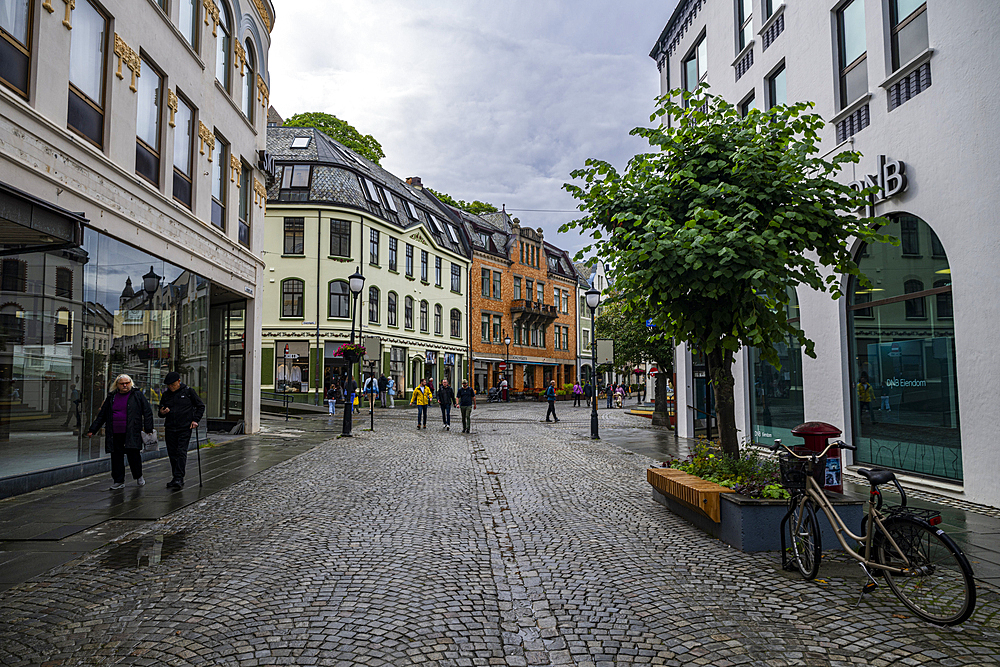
x=625, y=323
x=476, y=207
x=711, y=229
x=339, y=130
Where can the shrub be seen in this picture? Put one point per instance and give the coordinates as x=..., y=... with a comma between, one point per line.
x=749, y=473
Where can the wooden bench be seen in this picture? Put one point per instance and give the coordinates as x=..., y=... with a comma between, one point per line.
x=692, y=491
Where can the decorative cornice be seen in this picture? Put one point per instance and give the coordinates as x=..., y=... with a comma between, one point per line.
x=418, y=237
x=127, y=54
x=212, y=12
x=262, y=10
x=206, y=137
x=262, y=92
x=235, y=171
x=172, y=105
x=67, y=20
x=241, y=55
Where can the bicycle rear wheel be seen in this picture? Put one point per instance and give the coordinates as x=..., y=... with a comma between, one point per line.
x=804, y=535
x=938, y=586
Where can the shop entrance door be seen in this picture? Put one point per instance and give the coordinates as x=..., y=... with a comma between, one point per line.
x=227, y=362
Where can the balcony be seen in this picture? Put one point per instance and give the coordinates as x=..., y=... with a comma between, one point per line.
x=532, y=312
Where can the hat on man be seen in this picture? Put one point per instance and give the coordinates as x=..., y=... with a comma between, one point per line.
x=172, y=377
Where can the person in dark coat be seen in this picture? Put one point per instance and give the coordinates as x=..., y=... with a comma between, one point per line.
x=125, y=414
x=588, y=391
x=383, y=386
x=181, y=410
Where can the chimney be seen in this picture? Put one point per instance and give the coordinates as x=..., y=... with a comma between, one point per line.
x=415, y=182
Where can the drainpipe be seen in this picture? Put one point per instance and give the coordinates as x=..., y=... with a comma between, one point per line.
x=319, y=350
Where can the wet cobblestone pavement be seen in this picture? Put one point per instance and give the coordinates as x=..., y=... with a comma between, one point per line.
x=523, y=543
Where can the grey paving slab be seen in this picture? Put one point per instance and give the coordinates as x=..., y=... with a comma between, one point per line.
x=519, y=544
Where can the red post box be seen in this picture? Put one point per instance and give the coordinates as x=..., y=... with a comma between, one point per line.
x=816, y=435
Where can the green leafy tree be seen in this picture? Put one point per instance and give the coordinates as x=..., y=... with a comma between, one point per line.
x=635, y=342
x=339, y=130
x=476, y=208
x=713, y=227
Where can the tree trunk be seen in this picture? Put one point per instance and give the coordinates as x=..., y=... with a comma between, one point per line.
x=725, y=399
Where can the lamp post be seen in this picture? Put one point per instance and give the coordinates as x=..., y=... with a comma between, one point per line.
x=356, y=283
x=593, y=300
x=506, y=369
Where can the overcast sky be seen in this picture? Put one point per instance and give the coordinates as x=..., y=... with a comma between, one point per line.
x=489, y=100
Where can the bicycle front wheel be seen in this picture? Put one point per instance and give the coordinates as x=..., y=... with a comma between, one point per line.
x=938, y=585
x=803, y=533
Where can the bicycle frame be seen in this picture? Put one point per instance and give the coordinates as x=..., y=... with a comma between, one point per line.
x=815, y=493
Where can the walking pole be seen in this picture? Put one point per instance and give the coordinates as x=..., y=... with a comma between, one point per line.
x=197, y=440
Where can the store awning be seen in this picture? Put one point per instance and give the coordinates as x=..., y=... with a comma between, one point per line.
x=29, y=224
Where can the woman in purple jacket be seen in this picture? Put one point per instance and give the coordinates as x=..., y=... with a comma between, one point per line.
x=125, y=414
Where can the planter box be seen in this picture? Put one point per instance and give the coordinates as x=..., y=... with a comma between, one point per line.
x=749, y=525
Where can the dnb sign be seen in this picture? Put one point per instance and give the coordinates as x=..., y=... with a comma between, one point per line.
x=890, y=180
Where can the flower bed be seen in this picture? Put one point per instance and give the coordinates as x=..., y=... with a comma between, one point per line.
x=751, y=473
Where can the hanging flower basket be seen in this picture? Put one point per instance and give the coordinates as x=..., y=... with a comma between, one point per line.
x=350, y=352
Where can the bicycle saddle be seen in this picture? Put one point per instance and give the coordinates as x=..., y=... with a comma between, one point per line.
x=877, y=477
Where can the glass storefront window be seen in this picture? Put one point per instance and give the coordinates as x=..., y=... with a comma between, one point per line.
x=903, y=378
x=776, y=404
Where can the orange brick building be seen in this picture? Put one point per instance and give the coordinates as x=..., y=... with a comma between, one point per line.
x=523, y=288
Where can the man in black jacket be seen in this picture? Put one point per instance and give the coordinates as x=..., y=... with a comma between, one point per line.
x=182, y=410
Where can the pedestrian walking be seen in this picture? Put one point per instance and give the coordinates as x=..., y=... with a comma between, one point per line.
x=588, y=391
x=446, y=398
x=390, y=390
x=504, y=390
x=421, y=398
x=866, y=394
x=383, y=385
x=182, y=410
x=610, y=394
x=466, y=402
x=619, y=395
x=73, y=409
x=577, y=394
x=550, y=396
x=331, y=398
x=124, y=415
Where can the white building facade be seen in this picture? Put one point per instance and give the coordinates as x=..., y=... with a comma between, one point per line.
x=908, y=84
x=131, y=136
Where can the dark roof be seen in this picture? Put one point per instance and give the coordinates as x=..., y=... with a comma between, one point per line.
x=337, y=174
x=560, y=263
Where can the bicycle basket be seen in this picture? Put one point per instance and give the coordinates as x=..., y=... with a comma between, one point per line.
x=795, y=471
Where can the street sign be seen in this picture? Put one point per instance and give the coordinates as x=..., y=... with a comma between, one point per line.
x=605, y=351
x=502, y=366
x=653, y=371
x=291, y=356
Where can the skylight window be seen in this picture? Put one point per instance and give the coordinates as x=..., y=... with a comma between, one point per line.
x=412, y=210
x=389, y=202
x=451, y=234
x=436, y=225
x=301, y=142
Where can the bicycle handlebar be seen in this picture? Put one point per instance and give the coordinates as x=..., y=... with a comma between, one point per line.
x=837, y=443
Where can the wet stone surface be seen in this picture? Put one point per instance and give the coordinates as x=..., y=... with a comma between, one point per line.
x=523, y=543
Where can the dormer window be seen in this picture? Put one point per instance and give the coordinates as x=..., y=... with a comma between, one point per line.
x=295, y=180
x=370, y=190
x=412, y=210
x=301, y=142
x=451, y=234
x=436, y=225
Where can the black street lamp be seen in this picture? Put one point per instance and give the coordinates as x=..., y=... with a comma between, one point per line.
x=356, y=283
x=593, y=300
x=506, y=369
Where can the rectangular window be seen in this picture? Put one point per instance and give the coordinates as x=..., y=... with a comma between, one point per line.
x=565, y=303
x=423, y=316
x=423, y=265
x=776, y=88
x=296, y=176
x=529, y=289
x=695, y=67
x=517, y=288
x=87, y=60
x=747, y=104
x=521, y=246
x=437, y=319
x=147, y=144
x=183, y=151
x=557, y=298
x=770, y=6
x=437, y=271
x=220, y=165
x=391, y=317
x=909, y=30
x=853, y=52
x=15, y=44
x=558, y=337
x=393, y=252
x=408, y=313
x=246, y=202
x=373, y=247
x=486, y=328
x=411, y=210
x=496, y=284
x=909, y=240
x=534, y=336
x=456, y=278
x=496, y=328
x=565, y=334
x=295, y=236
x=292, y=298
x=744, y=23
x=370, y=190
x=541, y=336
x=187, y=21
x=373, y=305
x=586, y=338
x=486, y=281
x=456, y=323
x=340, y=238
x=409, y=260
x=541, y=293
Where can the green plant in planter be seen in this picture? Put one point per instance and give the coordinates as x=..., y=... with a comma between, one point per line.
x=749, y=473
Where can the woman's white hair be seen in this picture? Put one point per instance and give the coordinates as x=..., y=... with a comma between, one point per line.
x=114, y=385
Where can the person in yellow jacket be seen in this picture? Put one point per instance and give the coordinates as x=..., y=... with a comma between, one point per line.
x=866, y=394
x=422, y=398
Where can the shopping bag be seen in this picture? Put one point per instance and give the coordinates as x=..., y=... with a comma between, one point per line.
x=150, y=441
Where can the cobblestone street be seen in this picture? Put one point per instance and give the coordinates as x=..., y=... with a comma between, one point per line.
x=523, y=543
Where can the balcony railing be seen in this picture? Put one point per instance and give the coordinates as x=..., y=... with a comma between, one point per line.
x=533, y=307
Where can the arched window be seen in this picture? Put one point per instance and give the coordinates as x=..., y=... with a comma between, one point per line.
x=423, y=316
x=408, y=312
x=223, y=46
x=340, y=299
x=64, y=326
x=293, y=297
x=247, y=96
x=373, y=304
x=12, y=324
x=904, y=385
x=437, y=318
x=391, y=320
x=456, y=323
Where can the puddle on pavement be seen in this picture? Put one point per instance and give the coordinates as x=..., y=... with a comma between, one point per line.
x=147, y=551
